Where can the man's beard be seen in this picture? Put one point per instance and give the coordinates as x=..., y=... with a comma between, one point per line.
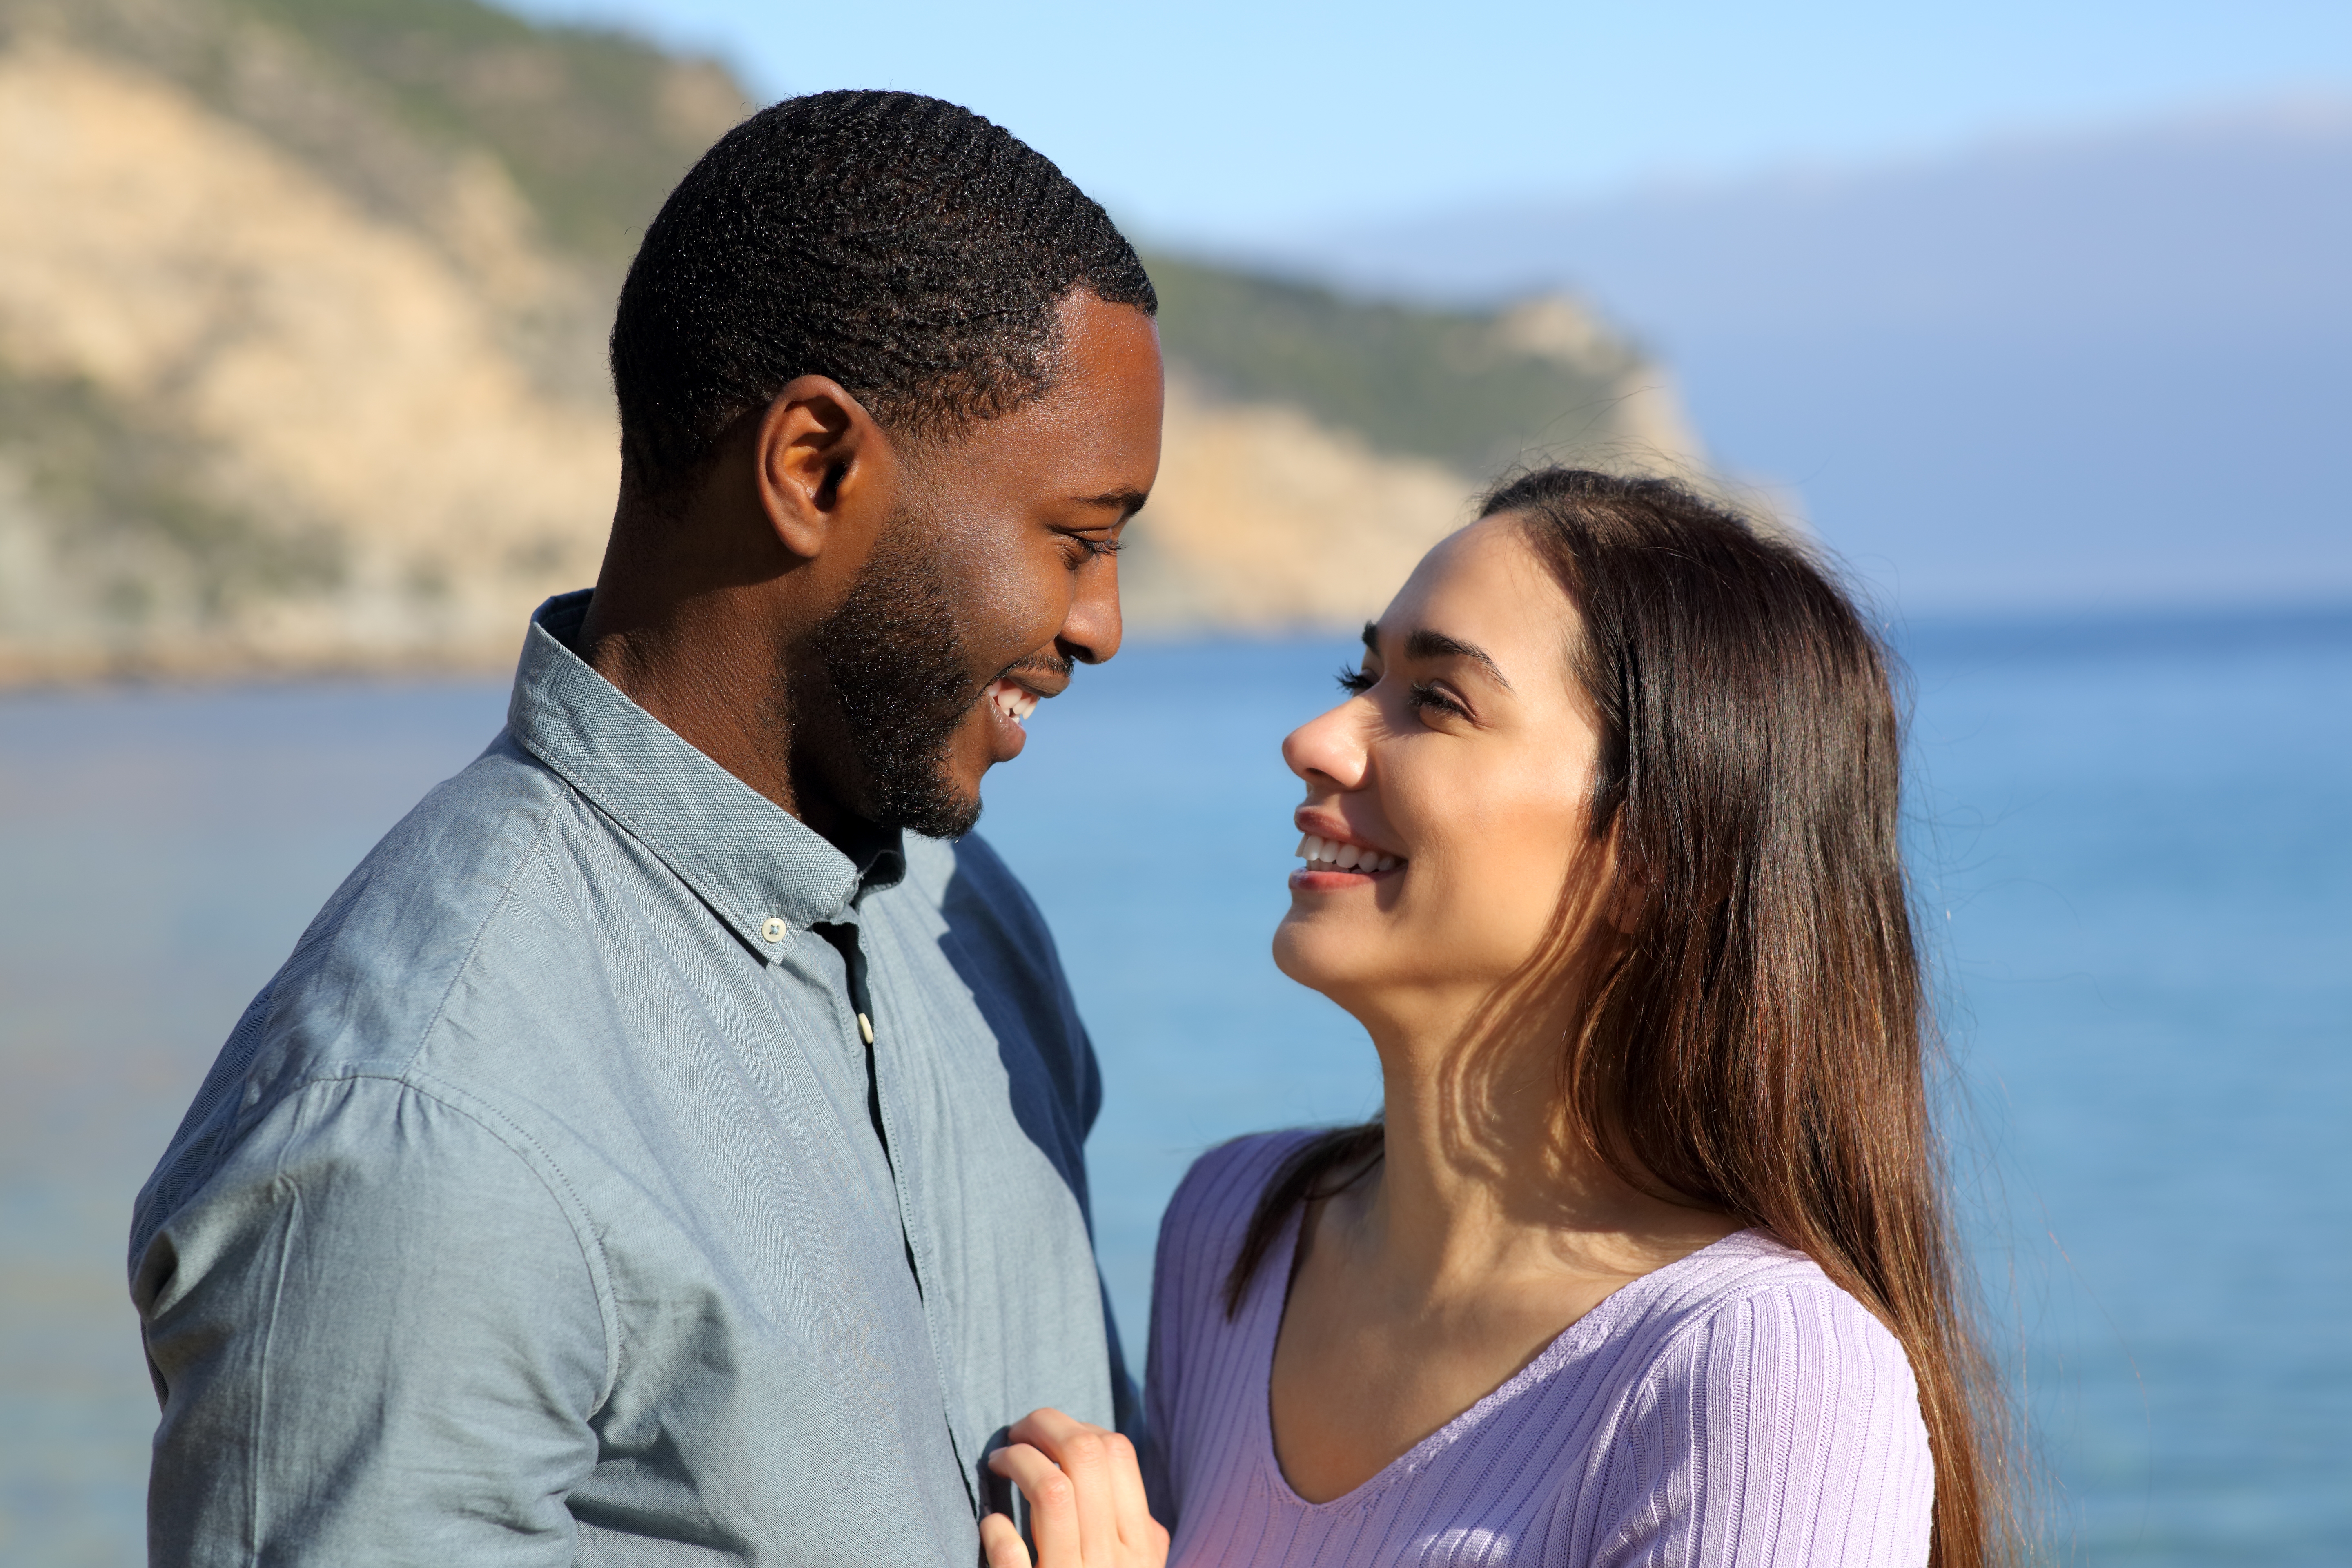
x=897, y=669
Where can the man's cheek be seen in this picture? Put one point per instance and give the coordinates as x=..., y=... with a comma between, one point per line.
x=1012, y=628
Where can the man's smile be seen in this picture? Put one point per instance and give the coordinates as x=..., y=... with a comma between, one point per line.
x=1013, y=701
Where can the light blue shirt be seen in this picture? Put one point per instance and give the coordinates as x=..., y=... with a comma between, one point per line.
x=536, y=1212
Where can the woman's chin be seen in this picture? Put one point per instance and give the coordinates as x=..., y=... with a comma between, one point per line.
x=1306, y=950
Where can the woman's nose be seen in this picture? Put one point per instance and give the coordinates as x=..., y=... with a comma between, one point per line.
x=1330, y=747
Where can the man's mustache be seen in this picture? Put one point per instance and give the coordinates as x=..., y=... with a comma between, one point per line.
x=1038, y=663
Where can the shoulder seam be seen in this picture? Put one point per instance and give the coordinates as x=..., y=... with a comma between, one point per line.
x=517, y=1141
x=1676, y=1340
x=523, y=861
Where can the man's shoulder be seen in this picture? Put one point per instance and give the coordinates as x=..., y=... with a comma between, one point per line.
x=968, y=876
x=965, y=923
x=970, y=897
x=419, y=907
x=376, y=967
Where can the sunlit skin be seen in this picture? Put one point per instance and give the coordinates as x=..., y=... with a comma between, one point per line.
x=699, y=616
x=1484, y=1232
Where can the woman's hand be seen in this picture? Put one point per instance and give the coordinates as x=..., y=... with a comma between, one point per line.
x=1085, y=1499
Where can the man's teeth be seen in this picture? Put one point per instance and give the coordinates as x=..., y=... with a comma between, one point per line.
x=1013, y=702
x=1325, y=853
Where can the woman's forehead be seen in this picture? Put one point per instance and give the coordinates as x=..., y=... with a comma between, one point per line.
x=1485, y=584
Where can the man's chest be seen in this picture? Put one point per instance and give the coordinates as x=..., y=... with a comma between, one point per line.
x=772, y=1249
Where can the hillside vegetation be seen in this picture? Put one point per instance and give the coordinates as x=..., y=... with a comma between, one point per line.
x=301, y=350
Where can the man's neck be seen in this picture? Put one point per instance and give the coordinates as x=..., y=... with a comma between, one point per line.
x=717, y=688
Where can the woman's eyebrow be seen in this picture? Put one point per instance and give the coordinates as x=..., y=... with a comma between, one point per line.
x=1422, y=642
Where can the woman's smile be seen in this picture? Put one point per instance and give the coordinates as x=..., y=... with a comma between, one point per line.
x=1445, y=793
x=1336, y=856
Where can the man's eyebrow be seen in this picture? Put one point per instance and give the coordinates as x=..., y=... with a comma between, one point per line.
x=1422, y=642
x=1126, y=503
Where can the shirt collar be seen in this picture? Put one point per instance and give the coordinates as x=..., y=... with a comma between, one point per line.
x=759, y=867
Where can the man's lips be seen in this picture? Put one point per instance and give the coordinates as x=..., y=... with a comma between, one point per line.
x=1009, y=700
x=1012, y=701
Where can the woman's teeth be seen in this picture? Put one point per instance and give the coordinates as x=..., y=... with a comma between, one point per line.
x=1324, y=853
x=1014, y=702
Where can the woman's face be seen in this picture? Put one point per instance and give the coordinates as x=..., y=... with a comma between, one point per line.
x=1446, y=795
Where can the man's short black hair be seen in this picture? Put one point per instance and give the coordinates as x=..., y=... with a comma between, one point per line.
x=905, y=247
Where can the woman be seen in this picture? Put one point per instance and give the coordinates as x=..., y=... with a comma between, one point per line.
x=1645, y=1260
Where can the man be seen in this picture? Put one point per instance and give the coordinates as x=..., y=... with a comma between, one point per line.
x=666, y=1145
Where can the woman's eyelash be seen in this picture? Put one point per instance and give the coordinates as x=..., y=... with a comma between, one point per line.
x=1419, y=695
x=1424, y=696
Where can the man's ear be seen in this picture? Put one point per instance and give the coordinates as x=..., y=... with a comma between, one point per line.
x=825, y=467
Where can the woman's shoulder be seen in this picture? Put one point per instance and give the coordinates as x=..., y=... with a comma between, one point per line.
x=1754, y=1327
x=1203, y=1230
x=1781, y=1407
x=1221, y=1192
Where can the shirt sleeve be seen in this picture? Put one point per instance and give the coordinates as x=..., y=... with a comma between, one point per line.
x=379, y=1336
x=1784, y=1431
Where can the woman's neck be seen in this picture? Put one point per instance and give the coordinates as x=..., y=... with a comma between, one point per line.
x=1478, y=1238
x=1480, y=1179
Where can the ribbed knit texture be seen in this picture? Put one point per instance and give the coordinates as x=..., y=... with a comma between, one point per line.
x=1734, y=1407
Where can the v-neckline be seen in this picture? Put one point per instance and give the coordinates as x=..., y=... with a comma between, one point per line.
x=1276, y=1299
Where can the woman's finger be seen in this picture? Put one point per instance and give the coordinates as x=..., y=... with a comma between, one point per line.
x=1001, y=1544
x=1128, y=1505
x=1053, y=1504
x=1083, y=1454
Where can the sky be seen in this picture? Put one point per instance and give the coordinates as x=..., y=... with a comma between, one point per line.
x=2134, y=467
x=1225, y=123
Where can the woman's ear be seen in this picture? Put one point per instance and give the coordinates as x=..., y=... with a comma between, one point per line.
x=1630, y=890
x=825, y=466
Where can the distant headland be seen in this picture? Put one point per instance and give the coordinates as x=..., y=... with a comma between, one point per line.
x=302, y=321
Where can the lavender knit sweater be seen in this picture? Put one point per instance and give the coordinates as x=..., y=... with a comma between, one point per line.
x=1731, y=1408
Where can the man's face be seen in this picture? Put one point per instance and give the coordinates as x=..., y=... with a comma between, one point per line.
x=997, y=575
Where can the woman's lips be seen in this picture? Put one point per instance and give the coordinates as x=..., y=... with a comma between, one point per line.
x=1338, y=854
x=1333, y=863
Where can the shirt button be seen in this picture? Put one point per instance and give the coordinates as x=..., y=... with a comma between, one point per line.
x=773, y=929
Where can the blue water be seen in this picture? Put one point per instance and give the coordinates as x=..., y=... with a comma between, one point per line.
x=2130, y=836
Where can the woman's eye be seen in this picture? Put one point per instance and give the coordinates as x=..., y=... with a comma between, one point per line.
x=1423, y=697
x=1355, y=682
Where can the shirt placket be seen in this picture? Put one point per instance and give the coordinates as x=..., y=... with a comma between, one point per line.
x=845, y=937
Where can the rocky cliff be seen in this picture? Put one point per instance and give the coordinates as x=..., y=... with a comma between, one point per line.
x=301, y=306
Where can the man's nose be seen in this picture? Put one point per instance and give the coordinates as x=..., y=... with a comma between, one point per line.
x=1091, y=631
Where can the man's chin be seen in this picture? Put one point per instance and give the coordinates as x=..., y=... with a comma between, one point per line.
x=950, y=822
x=944, y=807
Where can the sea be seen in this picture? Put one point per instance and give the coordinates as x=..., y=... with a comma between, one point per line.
x=2129, y=839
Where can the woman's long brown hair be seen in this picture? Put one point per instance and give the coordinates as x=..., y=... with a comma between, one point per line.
x=1755, y=1034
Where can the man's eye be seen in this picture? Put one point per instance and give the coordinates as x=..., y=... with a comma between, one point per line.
x=1098, y=548
x=1355, y=682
